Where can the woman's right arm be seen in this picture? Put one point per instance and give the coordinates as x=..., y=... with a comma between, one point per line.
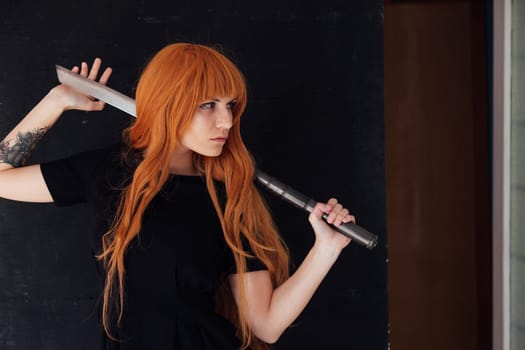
x=25, y=183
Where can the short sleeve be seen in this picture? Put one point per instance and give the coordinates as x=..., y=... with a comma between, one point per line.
x=69, y=180
x=252, y=264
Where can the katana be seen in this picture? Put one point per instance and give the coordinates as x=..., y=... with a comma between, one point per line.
x=127, y=105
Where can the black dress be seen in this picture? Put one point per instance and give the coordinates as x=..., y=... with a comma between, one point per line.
x=173, y=267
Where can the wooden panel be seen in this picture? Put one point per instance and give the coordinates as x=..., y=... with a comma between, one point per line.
x=431, y=161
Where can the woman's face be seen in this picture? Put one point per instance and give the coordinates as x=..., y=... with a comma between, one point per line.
x=208, y=131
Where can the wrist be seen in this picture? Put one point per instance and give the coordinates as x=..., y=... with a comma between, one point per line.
x=56, y=99
x=326, y=250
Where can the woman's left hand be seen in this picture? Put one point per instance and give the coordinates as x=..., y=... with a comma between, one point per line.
x=337, y=214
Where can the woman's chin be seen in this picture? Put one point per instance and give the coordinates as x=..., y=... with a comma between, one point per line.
x=211, y=154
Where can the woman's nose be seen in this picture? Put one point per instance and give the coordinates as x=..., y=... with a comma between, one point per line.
x=224, y=118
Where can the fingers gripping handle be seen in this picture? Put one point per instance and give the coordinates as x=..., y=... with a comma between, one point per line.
x=351, y=230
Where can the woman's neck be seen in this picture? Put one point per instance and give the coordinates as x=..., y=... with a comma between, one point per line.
x=181, y=162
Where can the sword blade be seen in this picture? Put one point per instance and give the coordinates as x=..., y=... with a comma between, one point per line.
x=92, y=88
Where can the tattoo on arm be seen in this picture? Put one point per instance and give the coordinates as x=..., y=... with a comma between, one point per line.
x=18, y=153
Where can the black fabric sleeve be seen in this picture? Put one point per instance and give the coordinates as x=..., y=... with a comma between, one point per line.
x=70, y=180
x=252, y=264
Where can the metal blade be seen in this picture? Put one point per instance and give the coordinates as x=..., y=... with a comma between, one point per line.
x=97, y=90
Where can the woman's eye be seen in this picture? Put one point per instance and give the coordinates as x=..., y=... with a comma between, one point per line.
x=207, y=105
x=231, y=104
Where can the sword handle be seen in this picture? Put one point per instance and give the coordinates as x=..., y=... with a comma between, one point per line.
x=299, y=200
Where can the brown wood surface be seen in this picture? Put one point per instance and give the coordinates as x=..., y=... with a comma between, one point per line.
x=437, y=182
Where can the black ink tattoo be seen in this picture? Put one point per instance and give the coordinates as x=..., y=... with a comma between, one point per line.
x=18, y=153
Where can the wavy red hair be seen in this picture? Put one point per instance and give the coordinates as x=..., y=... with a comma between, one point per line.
x=175, y=81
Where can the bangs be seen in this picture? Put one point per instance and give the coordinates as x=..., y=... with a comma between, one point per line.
x=216, y=76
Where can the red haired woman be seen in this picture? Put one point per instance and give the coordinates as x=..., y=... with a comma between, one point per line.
x=188, y=252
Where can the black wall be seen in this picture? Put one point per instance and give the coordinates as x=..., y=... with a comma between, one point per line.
x=314, y=120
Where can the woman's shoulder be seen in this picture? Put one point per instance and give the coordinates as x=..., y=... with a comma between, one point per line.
x=105, y=158
x=71, y=179
x=117, y=162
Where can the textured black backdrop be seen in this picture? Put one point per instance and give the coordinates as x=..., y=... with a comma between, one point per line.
x=315, y=120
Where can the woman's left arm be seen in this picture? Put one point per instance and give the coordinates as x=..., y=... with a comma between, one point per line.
x=271, y=311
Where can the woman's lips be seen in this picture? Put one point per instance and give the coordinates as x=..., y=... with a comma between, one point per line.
x=220, y=139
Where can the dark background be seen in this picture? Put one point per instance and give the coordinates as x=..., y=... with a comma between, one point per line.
x=314, y=120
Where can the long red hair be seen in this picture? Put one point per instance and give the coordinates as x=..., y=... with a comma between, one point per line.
x=172, y=85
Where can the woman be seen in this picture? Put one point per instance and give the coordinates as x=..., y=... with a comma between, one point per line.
x=189, y=255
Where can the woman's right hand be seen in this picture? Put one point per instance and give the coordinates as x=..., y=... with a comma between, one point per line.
x=70, y=99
